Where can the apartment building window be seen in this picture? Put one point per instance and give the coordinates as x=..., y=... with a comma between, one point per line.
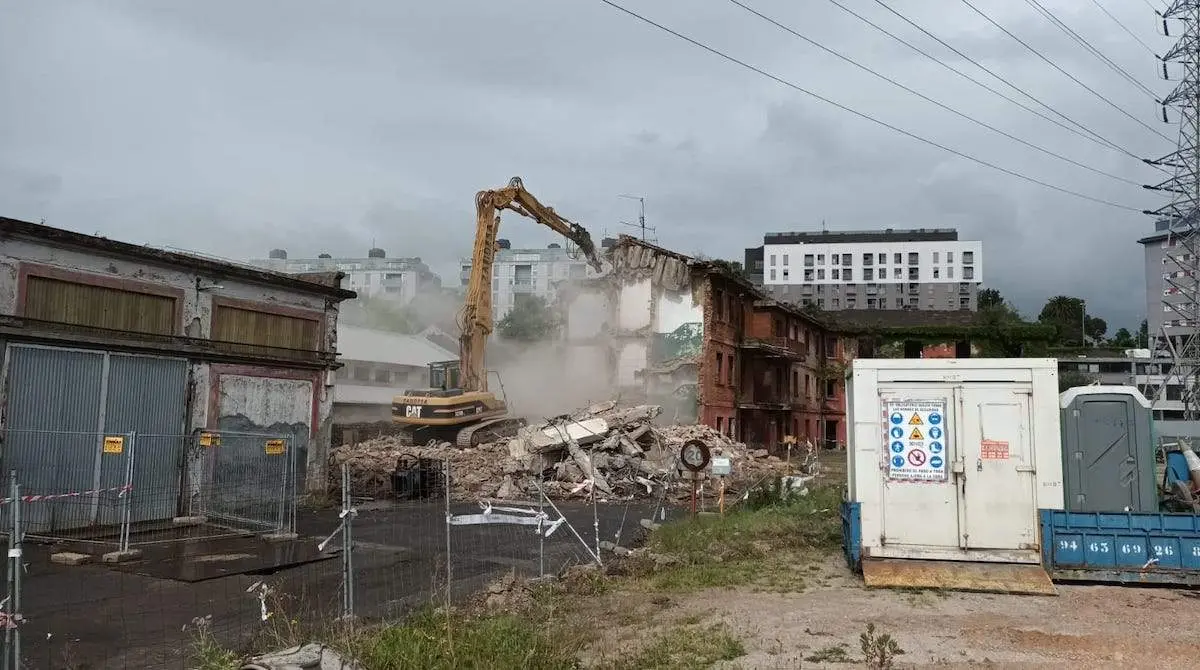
x=871, y=303
x=914, y=258
x=968, y=272
x=830, y=388
x=949, y=256
x=914, y=274
x=729, y=371
x=964, y=303
x=968, y=257
x=936, y=274
x=383, y=376
x=899, y=303
x=914, y=302
x=935, y=257
x=847, y=275
x=882, y=258
x=868, y=259
x=820, y=274
x=820, y=259
x=720, y=367
x=820, y=303
x=836, y=272
x=785, y=274
x=835, y=259
x=883, y=273
x=808, y=275
x=896, y=258
x=846, y=260
x=772, y=274
x=837, y=303
x=868, y=274
x=808, y=260
x=964, y=288
x=950, y=272
x=772, y=259
x=851, y=302
x=785, y=259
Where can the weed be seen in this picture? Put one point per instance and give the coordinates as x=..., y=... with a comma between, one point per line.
x=206, y=653
x=831, y=654
x=879, y=651
x=684, y=648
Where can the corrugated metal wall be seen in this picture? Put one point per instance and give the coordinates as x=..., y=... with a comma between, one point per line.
x=99, y=306
x=61, y=404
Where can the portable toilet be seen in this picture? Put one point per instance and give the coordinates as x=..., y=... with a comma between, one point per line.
x=1108, y=451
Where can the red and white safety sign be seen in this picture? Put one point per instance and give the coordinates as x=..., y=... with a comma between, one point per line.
x=119, y=490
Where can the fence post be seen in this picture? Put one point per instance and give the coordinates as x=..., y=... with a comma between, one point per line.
x=446, y=486
x=541, y=534
x=9, y=609
x=127, y=495
x=17, y=562
x=347, y=547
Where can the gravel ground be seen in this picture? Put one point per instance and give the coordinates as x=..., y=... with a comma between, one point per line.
x=1082, y=627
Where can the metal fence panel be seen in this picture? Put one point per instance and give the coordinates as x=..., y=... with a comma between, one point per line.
x=247, y=480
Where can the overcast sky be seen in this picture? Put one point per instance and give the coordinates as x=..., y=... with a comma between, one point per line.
x=234, y=127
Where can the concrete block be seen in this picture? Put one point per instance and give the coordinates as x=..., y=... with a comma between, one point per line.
x=558, y=435
x=121, y=556
x=70, y=558
x=280, y=537
x=189, y=520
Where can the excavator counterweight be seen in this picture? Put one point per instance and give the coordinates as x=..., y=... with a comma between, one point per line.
x=458, y=407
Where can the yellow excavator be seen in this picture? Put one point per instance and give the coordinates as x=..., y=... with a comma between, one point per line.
x=458, y=407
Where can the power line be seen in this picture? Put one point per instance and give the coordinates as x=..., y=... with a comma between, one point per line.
x=1126, y=28
x=1011, y=85
x=862, y=115
x=1072, y=77
x=926, y=98
x=1108, y=144
x=1087, y=46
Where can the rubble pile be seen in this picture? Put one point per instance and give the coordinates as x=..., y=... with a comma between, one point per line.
x=619, y=452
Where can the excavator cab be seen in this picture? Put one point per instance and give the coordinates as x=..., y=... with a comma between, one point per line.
x=445, y=375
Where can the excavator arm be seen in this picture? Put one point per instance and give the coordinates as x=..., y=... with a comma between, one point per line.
x=475, y=320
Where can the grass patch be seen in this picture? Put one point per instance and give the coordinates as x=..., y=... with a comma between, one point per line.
x=832, y=654
x=762, y=544
x=430, y=641
x=683, y=649
x=205, y=652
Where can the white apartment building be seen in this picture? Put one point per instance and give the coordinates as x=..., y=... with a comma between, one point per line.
x=528, y=271
x=375, y=276
x=925, y=269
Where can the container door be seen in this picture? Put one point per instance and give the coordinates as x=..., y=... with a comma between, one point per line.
x=1104, y=460
x=920, y=499
x=999, y=507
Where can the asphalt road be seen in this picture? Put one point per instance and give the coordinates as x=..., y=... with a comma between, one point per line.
x=94, y=616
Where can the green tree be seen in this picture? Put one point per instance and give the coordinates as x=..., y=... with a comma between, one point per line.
x=529, y=320
x=1095, y=328
x=1066, y=314
x=990, y=297
x=1123, y=339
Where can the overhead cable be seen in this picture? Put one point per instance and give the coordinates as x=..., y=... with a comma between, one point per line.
x=1070, y=76
x=863, y=115
x=1125, y=27
x=926, y=98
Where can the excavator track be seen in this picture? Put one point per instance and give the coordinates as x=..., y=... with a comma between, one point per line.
x=489, y=430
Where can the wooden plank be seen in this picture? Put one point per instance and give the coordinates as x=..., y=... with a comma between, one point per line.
x=1015, y=578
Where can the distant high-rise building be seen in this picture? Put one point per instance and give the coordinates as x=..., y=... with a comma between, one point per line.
x=529, y=272
x=375, y=276
x=924, y=269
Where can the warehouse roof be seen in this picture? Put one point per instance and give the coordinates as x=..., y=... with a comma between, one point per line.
x=381, y=346
x=326, y=284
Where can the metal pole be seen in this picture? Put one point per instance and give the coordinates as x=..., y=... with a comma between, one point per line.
x=18, y=561
x=446, y=485
x=9, y=609
x=347, y=547
x=126, y=502
x=541, y=534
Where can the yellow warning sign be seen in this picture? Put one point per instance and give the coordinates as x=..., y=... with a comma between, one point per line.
x=210, y=440
x=114, y=444
x=916, y=420
x=274, y=447
x=916, y=434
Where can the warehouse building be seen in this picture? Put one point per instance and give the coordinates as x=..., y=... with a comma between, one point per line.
x=103, y=338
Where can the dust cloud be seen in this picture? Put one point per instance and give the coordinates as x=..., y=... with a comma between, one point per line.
x=545, y=379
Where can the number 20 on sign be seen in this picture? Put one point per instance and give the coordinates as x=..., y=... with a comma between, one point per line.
x=274, y=447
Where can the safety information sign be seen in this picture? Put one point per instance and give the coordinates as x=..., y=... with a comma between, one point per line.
x=917, y=438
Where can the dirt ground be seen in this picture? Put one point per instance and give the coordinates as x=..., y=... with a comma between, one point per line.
x=1084, y=626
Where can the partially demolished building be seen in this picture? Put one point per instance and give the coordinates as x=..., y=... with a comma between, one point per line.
x=696, y=337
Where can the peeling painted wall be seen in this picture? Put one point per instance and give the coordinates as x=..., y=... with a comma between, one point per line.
x=271, y=406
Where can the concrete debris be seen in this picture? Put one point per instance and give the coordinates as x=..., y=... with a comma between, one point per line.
x=611, y=451
x=305, y=657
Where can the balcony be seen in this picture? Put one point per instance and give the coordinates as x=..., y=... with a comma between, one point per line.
x=776, y=347
x=522, y=286
x=763, y=396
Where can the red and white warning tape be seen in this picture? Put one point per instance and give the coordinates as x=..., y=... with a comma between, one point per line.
x=119, y=490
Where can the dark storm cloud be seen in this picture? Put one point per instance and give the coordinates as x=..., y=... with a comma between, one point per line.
x=233, y=128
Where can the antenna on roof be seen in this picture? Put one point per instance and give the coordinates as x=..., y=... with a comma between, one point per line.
x=824, y=229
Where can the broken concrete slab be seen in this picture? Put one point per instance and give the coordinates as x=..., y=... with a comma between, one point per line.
x=121, y=556
x=557, y=435
x=280, y=537
x=70, y=558
x=303, y=657
x=189, y=520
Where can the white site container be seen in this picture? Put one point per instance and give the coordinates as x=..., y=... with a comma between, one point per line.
x=984, y=458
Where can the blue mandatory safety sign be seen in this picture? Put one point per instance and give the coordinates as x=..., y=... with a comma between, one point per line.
x=935, y=462
x=897, y=461
x=936, y=448
x=935, y=433
x=898, y=447
x=896, y=417
x=897, y=432
x=935, y=418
